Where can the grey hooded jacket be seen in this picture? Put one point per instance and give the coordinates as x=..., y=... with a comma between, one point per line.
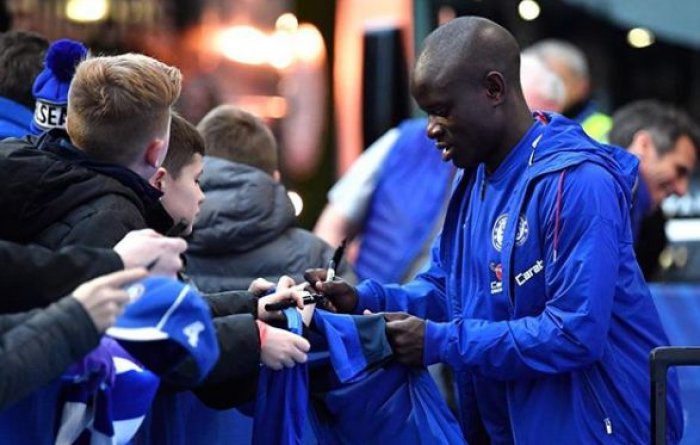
x=246, y=229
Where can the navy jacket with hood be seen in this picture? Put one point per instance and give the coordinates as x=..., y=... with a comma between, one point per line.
x=547, y=323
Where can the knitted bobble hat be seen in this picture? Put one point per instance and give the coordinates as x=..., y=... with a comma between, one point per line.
x=51, y=85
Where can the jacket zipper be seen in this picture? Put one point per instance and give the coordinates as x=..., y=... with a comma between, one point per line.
x=606, y=419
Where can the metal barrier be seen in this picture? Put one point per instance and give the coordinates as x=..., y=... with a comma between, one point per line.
x=660, y=360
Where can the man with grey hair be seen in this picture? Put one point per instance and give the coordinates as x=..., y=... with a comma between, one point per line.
x=542, y=87
x=665, y=140
x=571, y=66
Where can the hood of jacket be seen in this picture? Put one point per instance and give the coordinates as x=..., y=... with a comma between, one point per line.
x=244, y=208
x=572, y=146
x=46, y=178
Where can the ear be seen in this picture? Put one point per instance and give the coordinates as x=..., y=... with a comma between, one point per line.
x=495, y=86
x=643, y=146
x=158, y=179
x=155, y=152
x=276, y=176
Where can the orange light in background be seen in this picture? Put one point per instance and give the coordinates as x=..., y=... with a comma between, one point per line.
x=298, y=53
x=289, y=42
x=280, y=53
x=243, y=44
x=308, y=44
x=85, y=11
x=287, y=23
x=267, y=107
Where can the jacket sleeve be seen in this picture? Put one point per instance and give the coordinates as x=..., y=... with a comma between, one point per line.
x=239, y=356
x=232, y=381
x=33, y=276
x=42, y=346
x=571, y=330
x=232, y=302
x=423, y=297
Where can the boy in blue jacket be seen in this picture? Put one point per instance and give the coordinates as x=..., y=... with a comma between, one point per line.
x=533, y=295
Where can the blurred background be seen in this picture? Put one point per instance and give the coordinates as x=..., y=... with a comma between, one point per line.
x=332, y=76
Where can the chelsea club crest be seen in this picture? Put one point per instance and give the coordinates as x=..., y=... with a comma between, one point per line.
x=499, y=227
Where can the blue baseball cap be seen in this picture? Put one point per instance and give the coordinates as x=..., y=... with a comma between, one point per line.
x=167, y=321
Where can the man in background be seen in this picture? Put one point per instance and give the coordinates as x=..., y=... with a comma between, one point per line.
x=666, y=141
x=570, y=64
x=21, y=60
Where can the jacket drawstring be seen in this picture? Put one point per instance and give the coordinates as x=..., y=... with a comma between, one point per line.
x=557, y=214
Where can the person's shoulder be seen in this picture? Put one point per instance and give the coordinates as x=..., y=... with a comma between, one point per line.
x=589, y=172
x=21, y=147
x=584, y=176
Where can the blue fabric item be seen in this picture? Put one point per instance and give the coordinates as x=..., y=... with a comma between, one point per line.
x=355, y=343
x=115, y=385
x=105, y=396
x=32, y=420
x=179, y=418
x=282, y=399
x=368, y=403
x=393, y=404
x=405, y=206
x=547, y=323
x=15, y=119
x=376, y=401
x=51, y=86
x=166, y=318
x=641, y=208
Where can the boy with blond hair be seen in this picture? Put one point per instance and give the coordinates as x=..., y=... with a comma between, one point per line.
x=89, y=184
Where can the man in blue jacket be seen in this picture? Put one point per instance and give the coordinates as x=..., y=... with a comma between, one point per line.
x=533, y=295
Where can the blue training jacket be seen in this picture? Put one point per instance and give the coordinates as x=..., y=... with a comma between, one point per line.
x=547, y=323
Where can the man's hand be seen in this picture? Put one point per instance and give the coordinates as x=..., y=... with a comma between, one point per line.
x=104, y=297
x=406, y=334
x=280, y=348
x=285, y=291
x=142, y=248
x=340, y=296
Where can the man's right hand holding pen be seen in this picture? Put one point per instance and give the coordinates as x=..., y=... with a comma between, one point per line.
x=340, y=295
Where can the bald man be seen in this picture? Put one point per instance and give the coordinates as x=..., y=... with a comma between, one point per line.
x=533, y=295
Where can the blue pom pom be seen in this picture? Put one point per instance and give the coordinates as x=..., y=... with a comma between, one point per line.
x=63, y=56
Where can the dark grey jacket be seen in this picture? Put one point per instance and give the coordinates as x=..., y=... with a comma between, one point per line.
x=247, y=229
x=37, y=346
